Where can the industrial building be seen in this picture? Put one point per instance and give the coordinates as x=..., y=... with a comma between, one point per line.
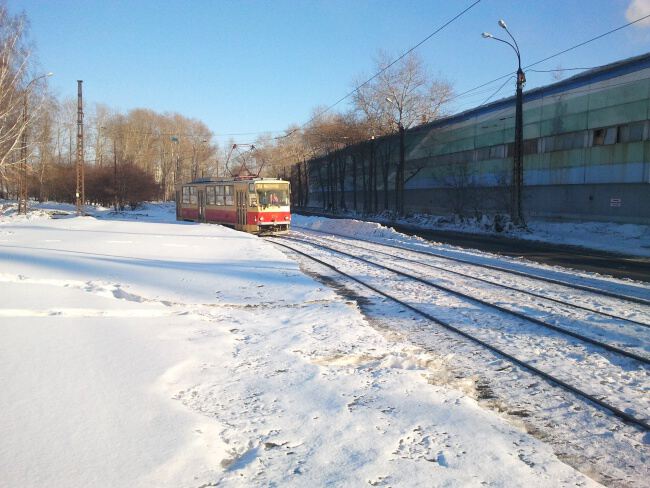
x=586, y=153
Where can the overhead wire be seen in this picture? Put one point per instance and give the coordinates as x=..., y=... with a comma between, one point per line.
x=497, y=91
x=560, y=69
x=402, y=56
x=456, y=97
x=600, y=36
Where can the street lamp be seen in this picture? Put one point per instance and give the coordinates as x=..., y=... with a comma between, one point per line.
x=399, y=177
x=518, y=160
x=176, y=142
x=22, y=197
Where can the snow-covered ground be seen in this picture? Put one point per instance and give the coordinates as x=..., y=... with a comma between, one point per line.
x=631, y=239
x=140, y=351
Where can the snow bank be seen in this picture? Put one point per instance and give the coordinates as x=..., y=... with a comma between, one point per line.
x=632, y=239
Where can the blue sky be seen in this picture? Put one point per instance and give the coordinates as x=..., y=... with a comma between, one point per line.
x=254, y=66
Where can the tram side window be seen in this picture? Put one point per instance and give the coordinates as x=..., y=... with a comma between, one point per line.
x=186, y=194
x=228, y=191
x=193, y=198
x=219, y=195
x=210, y=195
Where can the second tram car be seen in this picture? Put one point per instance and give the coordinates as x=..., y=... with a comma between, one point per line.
x=257, y=205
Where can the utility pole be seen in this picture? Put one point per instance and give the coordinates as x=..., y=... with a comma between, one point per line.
x=518, y=176
x=80, y=196
x=516, y=207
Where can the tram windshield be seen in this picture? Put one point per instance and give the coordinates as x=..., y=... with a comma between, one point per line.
x=272, y=195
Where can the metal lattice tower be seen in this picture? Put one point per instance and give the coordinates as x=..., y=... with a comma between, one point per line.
x=80, y=150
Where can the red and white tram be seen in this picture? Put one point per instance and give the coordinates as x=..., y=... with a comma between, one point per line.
x=257, y=205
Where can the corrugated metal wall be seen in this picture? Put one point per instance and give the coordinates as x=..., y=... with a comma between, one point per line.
x=586, y=144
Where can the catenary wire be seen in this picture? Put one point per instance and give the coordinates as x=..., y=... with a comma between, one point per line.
x=553, y=56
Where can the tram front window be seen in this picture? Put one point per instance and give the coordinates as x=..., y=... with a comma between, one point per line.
x=273, y=198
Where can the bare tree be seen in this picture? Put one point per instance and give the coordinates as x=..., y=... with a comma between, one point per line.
x=14, y=82
x=401, y=96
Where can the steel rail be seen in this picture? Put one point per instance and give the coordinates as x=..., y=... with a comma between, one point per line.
x=626, y=417
x=495, y=283
x=576, y=286
x=642, y=359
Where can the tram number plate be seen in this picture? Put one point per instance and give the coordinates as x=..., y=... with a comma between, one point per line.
x=615, y=202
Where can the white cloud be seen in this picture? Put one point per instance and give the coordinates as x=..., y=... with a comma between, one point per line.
x=638, y=9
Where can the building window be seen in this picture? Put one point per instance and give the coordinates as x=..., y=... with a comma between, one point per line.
x=530, y=147
x=498, y=152
x=599, y=137
x=482, y=153
x=631, y=132
x=564, y=142
x=603, y=137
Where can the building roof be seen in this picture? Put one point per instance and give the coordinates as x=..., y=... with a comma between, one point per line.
x=594, y=75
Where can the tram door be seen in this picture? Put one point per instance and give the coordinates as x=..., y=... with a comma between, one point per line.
x=201, y=206
x=241, y=209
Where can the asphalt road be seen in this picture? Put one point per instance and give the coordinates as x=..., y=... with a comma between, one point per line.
x=618, y=265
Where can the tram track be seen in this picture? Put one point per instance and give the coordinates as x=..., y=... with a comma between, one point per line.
x=501, y=269
x=597, y=399
x=561, y=330
x=484, y=280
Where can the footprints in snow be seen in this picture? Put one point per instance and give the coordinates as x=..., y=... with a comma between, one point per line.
x=434, y=447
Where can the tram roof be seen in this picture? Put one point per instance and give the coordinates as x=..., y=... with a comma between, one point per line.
x=230, y=180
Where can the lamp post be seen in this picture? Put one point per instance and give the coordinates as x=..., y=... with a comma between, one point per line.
x=196, y=154
x=22, y=197
x=175, y=142
x=399, y=176
x=518, y=160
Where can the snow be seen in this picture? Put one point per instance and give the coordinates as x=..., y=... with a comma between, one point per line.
x=630, y=239
x=377, y=232
x=139, y=351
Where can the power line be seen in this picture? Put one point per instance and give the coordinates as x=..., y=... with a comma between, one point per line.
x=406, y=53
x=559, y=69
x=391, y=64
x=552, y=56
x=497, y=91
x=461, y=95
x=508, y=75
x=590, y=40
x=456, y=97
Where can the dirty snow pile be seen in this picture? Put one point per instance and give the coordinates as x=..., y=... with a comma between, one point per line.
x=142, y=352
